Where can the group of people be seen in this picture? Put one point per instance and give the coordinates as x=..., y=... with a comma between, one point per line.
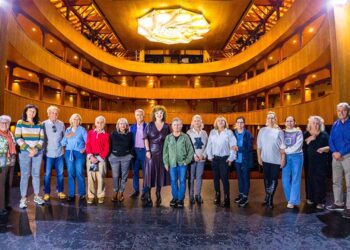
x=165, y=154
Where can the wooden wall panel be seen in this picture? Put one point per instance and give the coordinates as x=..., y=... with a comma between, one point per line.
x=324, y=106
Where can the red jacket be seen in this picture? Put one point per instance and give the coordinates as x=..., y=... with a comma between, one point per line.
x=97, y=143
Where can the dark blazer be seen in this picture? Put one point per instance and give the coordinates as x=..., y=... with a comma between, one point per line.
x=246, y=149
x=133, y=129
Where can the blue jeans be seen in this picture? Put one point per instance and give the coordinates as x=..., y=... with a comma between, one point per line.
x=49, y=164
x=243, y=179
x=137, y=162
x=291, y=177
x=178, y=174
x=75, y=162
x=26, y=164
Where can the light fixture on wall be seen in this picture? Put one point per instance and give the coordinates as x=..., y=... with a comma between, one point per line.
x=172, y=26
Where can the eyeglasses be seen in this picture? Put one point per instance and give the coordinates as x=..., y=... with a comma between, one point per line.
x=54, y=129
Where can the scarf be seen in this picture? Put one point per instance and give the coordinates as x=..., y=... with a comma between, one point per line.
x=8, y=136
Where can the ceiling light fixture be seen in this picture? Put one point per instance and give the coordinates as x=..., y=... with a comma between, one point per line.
x=338, y=2
x=172, y=26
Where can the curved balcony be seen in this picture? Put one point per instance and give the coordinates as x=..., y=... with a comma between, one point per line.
x=323, y=106
x=313, y=55
x=299, y=13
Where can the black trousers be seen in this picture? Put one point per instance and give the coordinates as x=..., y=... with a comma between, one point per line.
x=6, y=177
x=316, y=183
x=221, y=170
x=271, y=172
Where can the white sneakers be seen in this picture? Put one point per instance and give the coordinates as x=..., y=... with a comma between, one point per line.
x=37, y=199
x=23, y=203
x=290, y=205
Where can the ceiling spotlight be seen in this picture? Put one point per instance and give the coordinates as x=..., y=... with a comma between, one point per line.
x=271, y=58
x=30, y=74
x=313, y=76
x=174, y=77
x=294, y=41
x=51, y=41
x=119, y=73
x=33, y=29
x=311, y=29
x=75, y=57
x=227, y=73
x=6, y=66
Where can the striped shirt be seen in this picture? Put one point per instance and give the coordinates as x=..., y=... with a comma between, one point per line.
x=29, y=135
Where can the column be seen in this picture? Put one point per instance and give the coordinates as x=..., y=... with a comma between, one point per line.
x=78, y=98
x=266, y=66
x=65, y=53
x=100, y=103
x=247, y=104
x=3, y=56
x=300, y=39
x=80, y=63
x=266, y=99
x=63, y=92
x=41, y=87
x=9, y=76
x=282, y=95
x=280, y=54
x=255, y=104
x=302, y=87
x=189, y=81
x=339, y=24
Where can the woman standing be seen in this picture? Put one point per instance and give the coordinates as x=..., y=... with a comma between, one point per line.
x=220, y=152
x=271, y=155
x=29, y=136
x=177, y=154
x=316, y=150
x=244, y=160
x=7, y=162
x=199, y=140
x=74, y=140
x=154, y=135
x=291, y=173
x=122, y=151
x=97, y=149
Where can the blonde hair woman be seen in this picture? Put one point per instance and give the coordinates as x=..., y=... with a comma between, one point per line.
x=154, y=135
x=97, y=149
x=220, y=152
x=74, y=141
x=199, y=138
x=316, y=161
x=122, y=151
x=271, y=155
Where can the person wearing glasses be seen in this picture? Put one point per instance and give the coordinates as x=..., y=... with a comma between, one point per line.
x=244, y=160
x=54, y=132
x=74, y=141
x=29, y=136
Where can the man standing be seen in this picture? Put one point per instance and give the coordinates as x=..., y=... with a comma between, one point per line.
x=339, y=143
x=54, y=132
x=137, y=131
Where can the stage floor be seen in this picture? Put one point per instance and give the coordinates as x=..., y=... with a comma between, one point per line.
x=61, y=225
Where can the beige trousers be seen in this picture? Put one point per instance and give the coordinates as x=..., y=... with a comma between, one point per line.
x=96, y=180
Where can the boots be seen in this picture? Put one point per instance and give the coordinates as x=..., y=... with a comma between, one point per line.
x=217, y=198
x=272, y=190
x=266, y=193
x=226, y=202
x=148, y=200
x=115, y=197
x=159, y=198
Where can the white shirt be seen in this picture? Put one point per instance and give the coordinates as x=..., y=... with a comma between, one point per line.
x=220, y=144
x=270, y=141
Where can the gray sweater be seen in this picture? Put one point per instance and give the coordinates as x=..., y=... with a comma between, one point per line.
x=199, y=141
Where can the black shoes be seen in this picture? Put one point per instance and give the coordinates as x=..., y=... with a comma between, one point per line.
x=335, y=207
x=159, y=198
x=143, y=196
x=70, y=198
x=192, y=200
x=198, y=199
x=180, y=204
x=217, y=198
x=226, y=202
x=82, y=198
x=239, y=198
x=346, y=214
x=243, y=202
x=135, y=194
x=173, y=203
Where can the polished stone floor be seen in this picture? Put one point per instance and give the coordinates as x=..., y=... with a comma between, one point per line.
x=60, y=225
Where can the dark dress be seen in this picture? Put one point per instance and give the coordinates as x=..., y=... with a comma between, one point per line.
x=316, y=168
x=155, y=172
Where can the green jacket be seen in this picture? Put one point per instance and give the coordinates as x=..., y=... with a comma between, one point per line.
x=177, y=153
